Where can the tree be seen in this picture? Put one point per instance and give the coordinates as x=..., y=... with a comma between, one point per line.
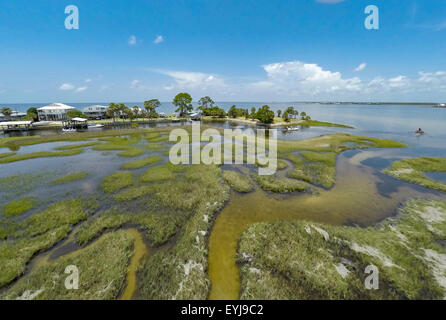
x=7, y=112
x=135, y=111
x=265, y=115
x=291, y=112
x=205, y=103
x=183, y=102
x=75, y=114
x=303, y=115
x=127, y=113
x=253, y=113
x=151, y=106
x=286, y=116
x=279, y=113
x=112, y=111
x=232, y=113
x=31, y=114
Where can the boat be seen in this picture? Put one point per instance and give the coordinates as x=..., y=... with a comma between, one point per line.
x=292, y=128
x=195, y=116
x=419, y=131
x=95, y=125
x=175, y=120
x=65, y=129
x=441, y=105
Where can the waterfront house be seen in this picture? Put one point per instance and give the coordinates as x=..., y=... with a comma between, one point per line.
x=96, y=111
x=54, y=112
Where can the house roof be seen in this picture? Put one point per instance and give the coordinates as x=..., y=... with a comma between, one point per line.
x=56, y=106
x=15, y=123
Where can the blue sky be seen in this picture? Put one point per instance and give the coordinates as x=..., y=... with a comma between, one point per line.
x=232, y=50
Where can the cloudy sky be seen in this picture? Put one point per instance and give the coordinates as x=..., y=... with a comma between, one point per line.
x=232, y=50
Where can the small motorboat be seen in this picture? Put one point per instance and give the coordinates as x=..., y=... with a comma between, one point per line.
x=292, y=128
x=419, y=131
x=68, y=129
x=95, y=125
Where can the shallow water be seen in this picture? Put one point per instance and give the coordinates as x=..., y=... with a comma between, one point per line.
x=357, y=198
x=139, y=252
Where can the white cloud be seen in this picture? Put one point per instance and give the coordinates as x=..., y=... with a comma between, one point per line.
x=66, y=87
x=132, y=40
x=193, y=80
x=81, y=89
x=361, y=67
x=87, y=80
x=135, y=84
x=158, y=39
x=297, y=78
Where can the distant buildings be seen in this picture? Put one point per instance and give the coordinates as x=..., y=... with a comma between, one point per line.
x=95, y=111
x=54, y=112
x=15, y=115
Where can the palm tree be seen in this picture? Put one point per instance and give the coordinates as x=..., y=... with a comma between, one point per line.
x=6, y=112
x=279, y=113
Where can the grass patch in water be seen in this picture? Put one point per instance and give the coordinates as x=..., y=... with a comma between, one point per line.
x=281, y=164
x=280, y=185
x=77, y=146
x=39, y=232
x=134, y=193
x=304, y=260
x=181, y=269
x=127, y=151
x=335, y=143
x=141, y=163
x=7, y=154
x=102, y=269
x=315, y=123
x=41, y=154
x=154, y=146
x=116, y=181
x=156, y=174
x=317, y=160
x=413, y=170
x=17, y=207
x=155, y=137
x=158, y=228
x=71, y=177
x=237, y=181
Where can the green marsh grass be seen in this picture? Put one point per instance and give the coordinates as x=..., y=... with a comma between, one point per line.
x=305, y=260
x=17, y=207
x=77, y=146
x=102, y=268
x=280, y=185
x=41, y=154
x=71, y=177
x=413, y=170
x=238, y=181
x=141, y=163
x=39, y=232
x=7, y=154
x=116, y=181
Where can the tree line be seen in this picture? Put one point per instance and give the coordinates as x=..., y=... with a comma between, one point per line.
x=183, y=102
